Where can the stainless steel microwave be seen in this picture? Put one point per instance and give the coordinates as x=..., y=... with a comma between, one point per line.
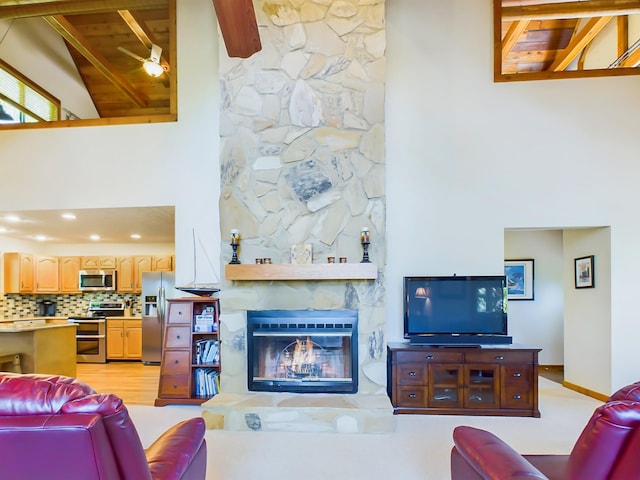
x=97, y=280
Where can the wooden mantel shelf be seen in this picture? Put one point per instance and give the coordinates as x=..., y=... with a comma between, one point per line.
x=315, y=271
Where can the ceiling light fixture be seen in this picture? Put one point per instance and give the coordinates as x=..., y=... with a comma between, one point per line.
x=12, y=218
x=152, y=68
x=40, y=238
x=95, y=237
x=68, y=216
x=136, y=236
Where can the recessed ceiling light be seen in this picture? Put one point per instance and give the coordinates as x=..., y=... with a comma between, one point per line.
x=95, y=237
x=68, y=216
x=3, y=230
x=136, y=236
x=40, y=238
x=12, y=218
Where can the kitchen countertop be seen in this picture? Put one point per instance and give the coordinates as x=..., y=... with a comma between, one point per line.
x=29, y=325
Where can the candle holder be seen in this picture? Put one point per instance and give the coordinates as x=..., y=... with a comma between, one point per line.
x=364, y=239
x=235, y=240
x=365, y=253
x=234, y=257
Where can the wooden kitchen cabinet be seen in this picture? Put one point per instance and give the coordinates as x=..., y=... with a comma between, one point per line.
x=19, y=272
x=69, y=269
x=98, y=262
x=141, y=263
x=125, y=277
x=162, y=263
x=47, y=274
x=124, y=339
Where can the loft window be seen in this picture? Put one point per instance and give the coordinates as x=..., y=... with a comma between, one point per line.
x=25, y=101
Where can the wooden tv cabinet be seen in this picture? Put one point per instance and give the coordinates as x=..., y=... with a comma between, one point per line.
x=499, y=380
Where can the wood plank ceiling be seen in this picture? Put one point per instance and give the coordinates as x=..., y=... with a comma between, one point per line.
x=94, y=29
x=551, y=35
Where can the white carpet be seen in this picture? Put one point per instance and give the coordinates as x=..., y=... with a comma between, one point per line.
x=418, y=449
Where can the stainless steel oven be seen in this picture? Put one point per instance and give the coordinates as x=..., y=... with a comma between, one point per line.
x=91, y=345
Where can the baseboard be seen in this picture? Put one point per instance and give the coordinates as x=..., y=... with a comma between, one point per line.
x=585, y=391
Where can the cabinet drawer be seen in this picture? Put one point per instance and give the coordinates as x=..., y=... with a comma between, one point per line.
x=517, y=374
x=499, y=356
x=176, y=361
x=428, y=356
x=179, y=313
x=174, y=386
x=177, y=337
x=411, y=374
x=412, y=397
x=517, y=396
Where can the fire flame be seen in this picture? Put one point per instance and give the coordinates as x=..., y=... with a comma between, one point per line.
x=303, y=356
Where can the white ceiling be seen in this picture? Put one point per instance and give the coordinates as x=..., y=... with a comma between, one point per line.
x=113, y=225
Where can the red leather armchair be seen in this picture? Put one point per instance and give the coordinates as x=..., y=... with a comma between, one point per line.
x=607, y=449
x=56, y=427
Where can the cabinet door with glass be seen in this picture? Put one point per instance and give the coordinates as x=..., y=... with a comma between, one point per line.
x=482, y=383
x=445, y=386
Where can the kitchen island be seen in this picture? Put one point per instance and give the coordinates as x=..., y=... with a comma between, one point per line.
x=44, y=347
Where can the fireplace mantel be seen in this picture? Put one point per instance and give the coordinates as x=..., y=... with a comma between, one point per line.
x=316, y=271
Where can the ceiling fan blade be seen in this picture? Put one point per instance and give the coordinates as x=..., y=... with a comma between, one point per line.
x=239, y=27
x=156, y=53
x=131, y=54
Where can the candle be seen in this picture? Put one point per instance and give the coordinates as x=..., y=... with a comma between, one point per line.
x=235, y=236
x=364, y=235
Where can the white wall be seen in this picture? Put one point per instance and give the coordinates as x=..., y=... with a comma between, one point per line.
x=539, y=322
x=468, y=158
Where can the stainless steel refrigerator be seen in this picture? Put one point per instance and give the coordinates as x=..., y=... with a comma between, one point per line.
x=157, y=287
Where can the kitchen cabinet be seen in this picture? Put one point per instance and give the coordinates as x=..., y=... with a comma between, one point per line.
x=47, y=274
x=124, y=339
x=98, y=262
x=19, y=272
x=162, y=263
x=141, y=263
x=125, y=281
x=69, y=268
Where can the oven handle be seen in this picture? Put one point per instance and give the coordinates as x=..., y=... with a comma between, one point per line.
x=81, y=322
x=90, y=337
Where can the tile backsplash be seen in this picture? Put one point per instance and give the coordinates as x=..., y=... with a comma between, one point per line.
x=26, y=306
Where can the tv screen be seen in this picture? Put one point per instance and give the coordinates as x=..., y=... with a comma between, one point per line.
x=438, y=309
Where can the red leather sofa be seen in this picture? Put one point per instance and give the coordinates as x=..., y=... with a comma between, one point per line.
x=54, y=427
x=607, y=449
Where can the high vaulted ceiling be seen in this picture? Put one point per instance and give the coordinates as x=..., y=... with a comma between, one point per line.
x=93, y=31
x=548, y=36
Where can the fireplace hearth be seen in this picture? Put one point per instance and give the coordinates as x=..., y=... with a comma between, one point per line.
x=302, y=351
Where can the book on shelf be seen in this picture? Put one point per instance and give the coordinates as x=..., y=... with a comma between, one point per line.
x=207, y=351
x=207, y=382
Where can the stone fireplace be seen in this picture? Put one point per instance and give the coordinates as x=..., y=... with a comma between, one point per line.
x=302, y=351
x=302, y=161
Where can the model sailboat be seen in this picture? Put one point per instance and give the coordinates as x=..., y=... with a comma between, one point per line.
x=202, y=290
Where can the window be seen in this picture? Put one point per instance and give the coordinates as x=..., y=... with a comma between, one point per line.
x=25, y=101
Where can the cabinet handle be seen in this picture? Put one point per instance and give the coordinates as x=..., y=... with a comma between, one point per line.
x=517, y=397
x=517, y=374
x=178, y=336
x=412, y=374
x=177, y=362
x=499, y=357
x=412, y=395
x=429, y=357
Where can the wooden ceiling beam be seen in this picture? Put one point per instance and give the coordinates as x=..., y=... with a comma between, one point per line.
x=579, y=42
x=512, y=36
x=76, y=40
x=71, y=7
x=557, y=11
x=239, y=27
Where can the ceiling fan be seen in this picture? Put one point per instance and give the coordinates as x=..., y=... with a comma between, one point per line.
x=151, y=65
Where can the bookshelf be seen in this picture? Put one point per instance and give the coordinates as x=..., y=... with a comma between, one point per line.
x=190, y=367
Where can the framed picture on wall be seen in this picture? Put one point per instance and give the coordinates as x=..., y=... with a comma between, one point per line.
x=519, y=275
x=585, y=273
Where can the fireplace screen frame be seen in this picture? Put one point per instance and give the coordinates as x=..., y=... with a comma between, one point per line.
x=302, y=324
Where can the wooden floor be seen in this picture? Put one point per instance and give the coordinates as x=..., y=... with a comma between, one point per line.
x=134, y=382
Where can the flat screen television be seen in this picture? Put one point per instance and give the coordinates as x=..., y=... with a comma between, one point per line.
x=456, y=310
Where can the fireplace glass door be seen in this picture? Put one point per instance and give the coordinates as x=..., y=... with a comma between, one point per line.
x=306, y=355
